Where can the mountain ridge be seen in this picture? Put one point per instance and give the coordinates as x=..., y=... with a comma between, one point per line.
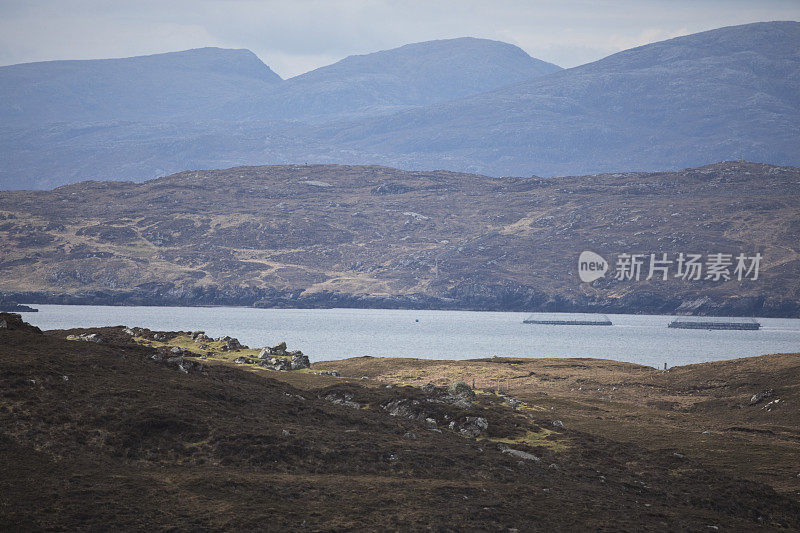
x=719, y=95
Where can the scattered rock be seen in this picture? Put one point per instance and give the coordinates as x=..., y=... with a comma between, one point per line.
x=330, y=373
x=343, y=398
x=243, y=361
x=230, y=344
x=761, y=396
x=558, y=423
x=87, y=337
x=405, y=408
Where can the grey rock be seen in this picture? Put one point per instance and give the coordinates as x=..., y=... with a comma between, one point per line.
x=299, y=361
x=343, y=398
x=761, y=396
x=474, y=426
x=519, y=454
x=462, y=390
x=513, y=402
x=278, y=349
x=558, y=423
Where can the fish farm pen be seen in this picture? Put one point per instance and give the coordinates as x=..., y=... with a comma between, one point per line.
x=706, y=322
x=568, y=319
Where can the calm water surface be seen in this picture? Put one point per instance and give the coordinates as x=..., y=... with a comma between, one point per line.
x=328, y=334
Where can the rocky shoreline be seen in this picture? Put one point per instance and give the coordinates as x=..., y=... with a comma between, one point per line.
x=520, y=299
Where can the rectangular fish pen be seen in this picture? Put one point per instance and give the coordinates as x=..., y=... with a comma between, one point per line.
x=568, y=319
x=709, y=322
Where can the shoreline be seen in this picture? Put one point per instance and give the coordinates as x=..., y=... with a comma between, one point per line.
x=729, y=309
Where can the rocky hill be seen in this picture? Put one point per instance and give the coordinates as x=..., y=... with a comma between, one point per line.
x=383, y=82
x=469, y=105
x=718, y=95
x=141, y=117
x=104, y=432
x=161, y=88
x=327, y=235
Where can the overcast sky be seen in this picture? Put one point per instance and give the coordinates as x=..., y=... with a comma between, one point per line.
x=294, y=36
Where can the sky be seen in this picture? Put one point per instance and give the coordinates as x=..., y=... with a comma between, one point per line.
x=295, y=36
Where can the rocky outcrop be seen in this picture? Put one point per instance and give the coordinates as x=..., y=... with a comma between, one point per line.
x=13, y=321
x=87, y=337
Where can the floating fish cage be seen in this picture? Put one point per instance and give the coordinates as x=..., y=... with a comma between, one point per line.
x=568, y=319
x=707, y=322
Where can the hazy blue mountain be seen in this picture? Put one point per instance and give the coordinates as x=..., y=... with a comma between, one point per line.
x=717, y=95
x=190, y=84
x=712, y=96
x=412, y=75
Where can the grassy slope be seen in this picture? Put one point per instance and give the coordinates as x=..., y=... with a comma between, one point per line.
x=128, y=442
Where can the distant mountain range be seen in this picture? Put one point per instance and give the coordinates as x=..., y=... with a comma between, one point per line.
x=461, y=104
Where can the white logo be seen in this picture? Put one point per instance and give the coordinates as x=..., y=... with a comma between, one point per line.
x=591, y=266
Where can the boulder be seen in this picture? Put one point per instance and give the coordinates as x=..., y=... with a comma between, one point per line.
x=243, y=361
x=461, y=390
x=13, y=321
x=519, y=454
x=474, y=426
x=278, y=349
x=300, y=361
x=513, y=402
x=277, y=364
